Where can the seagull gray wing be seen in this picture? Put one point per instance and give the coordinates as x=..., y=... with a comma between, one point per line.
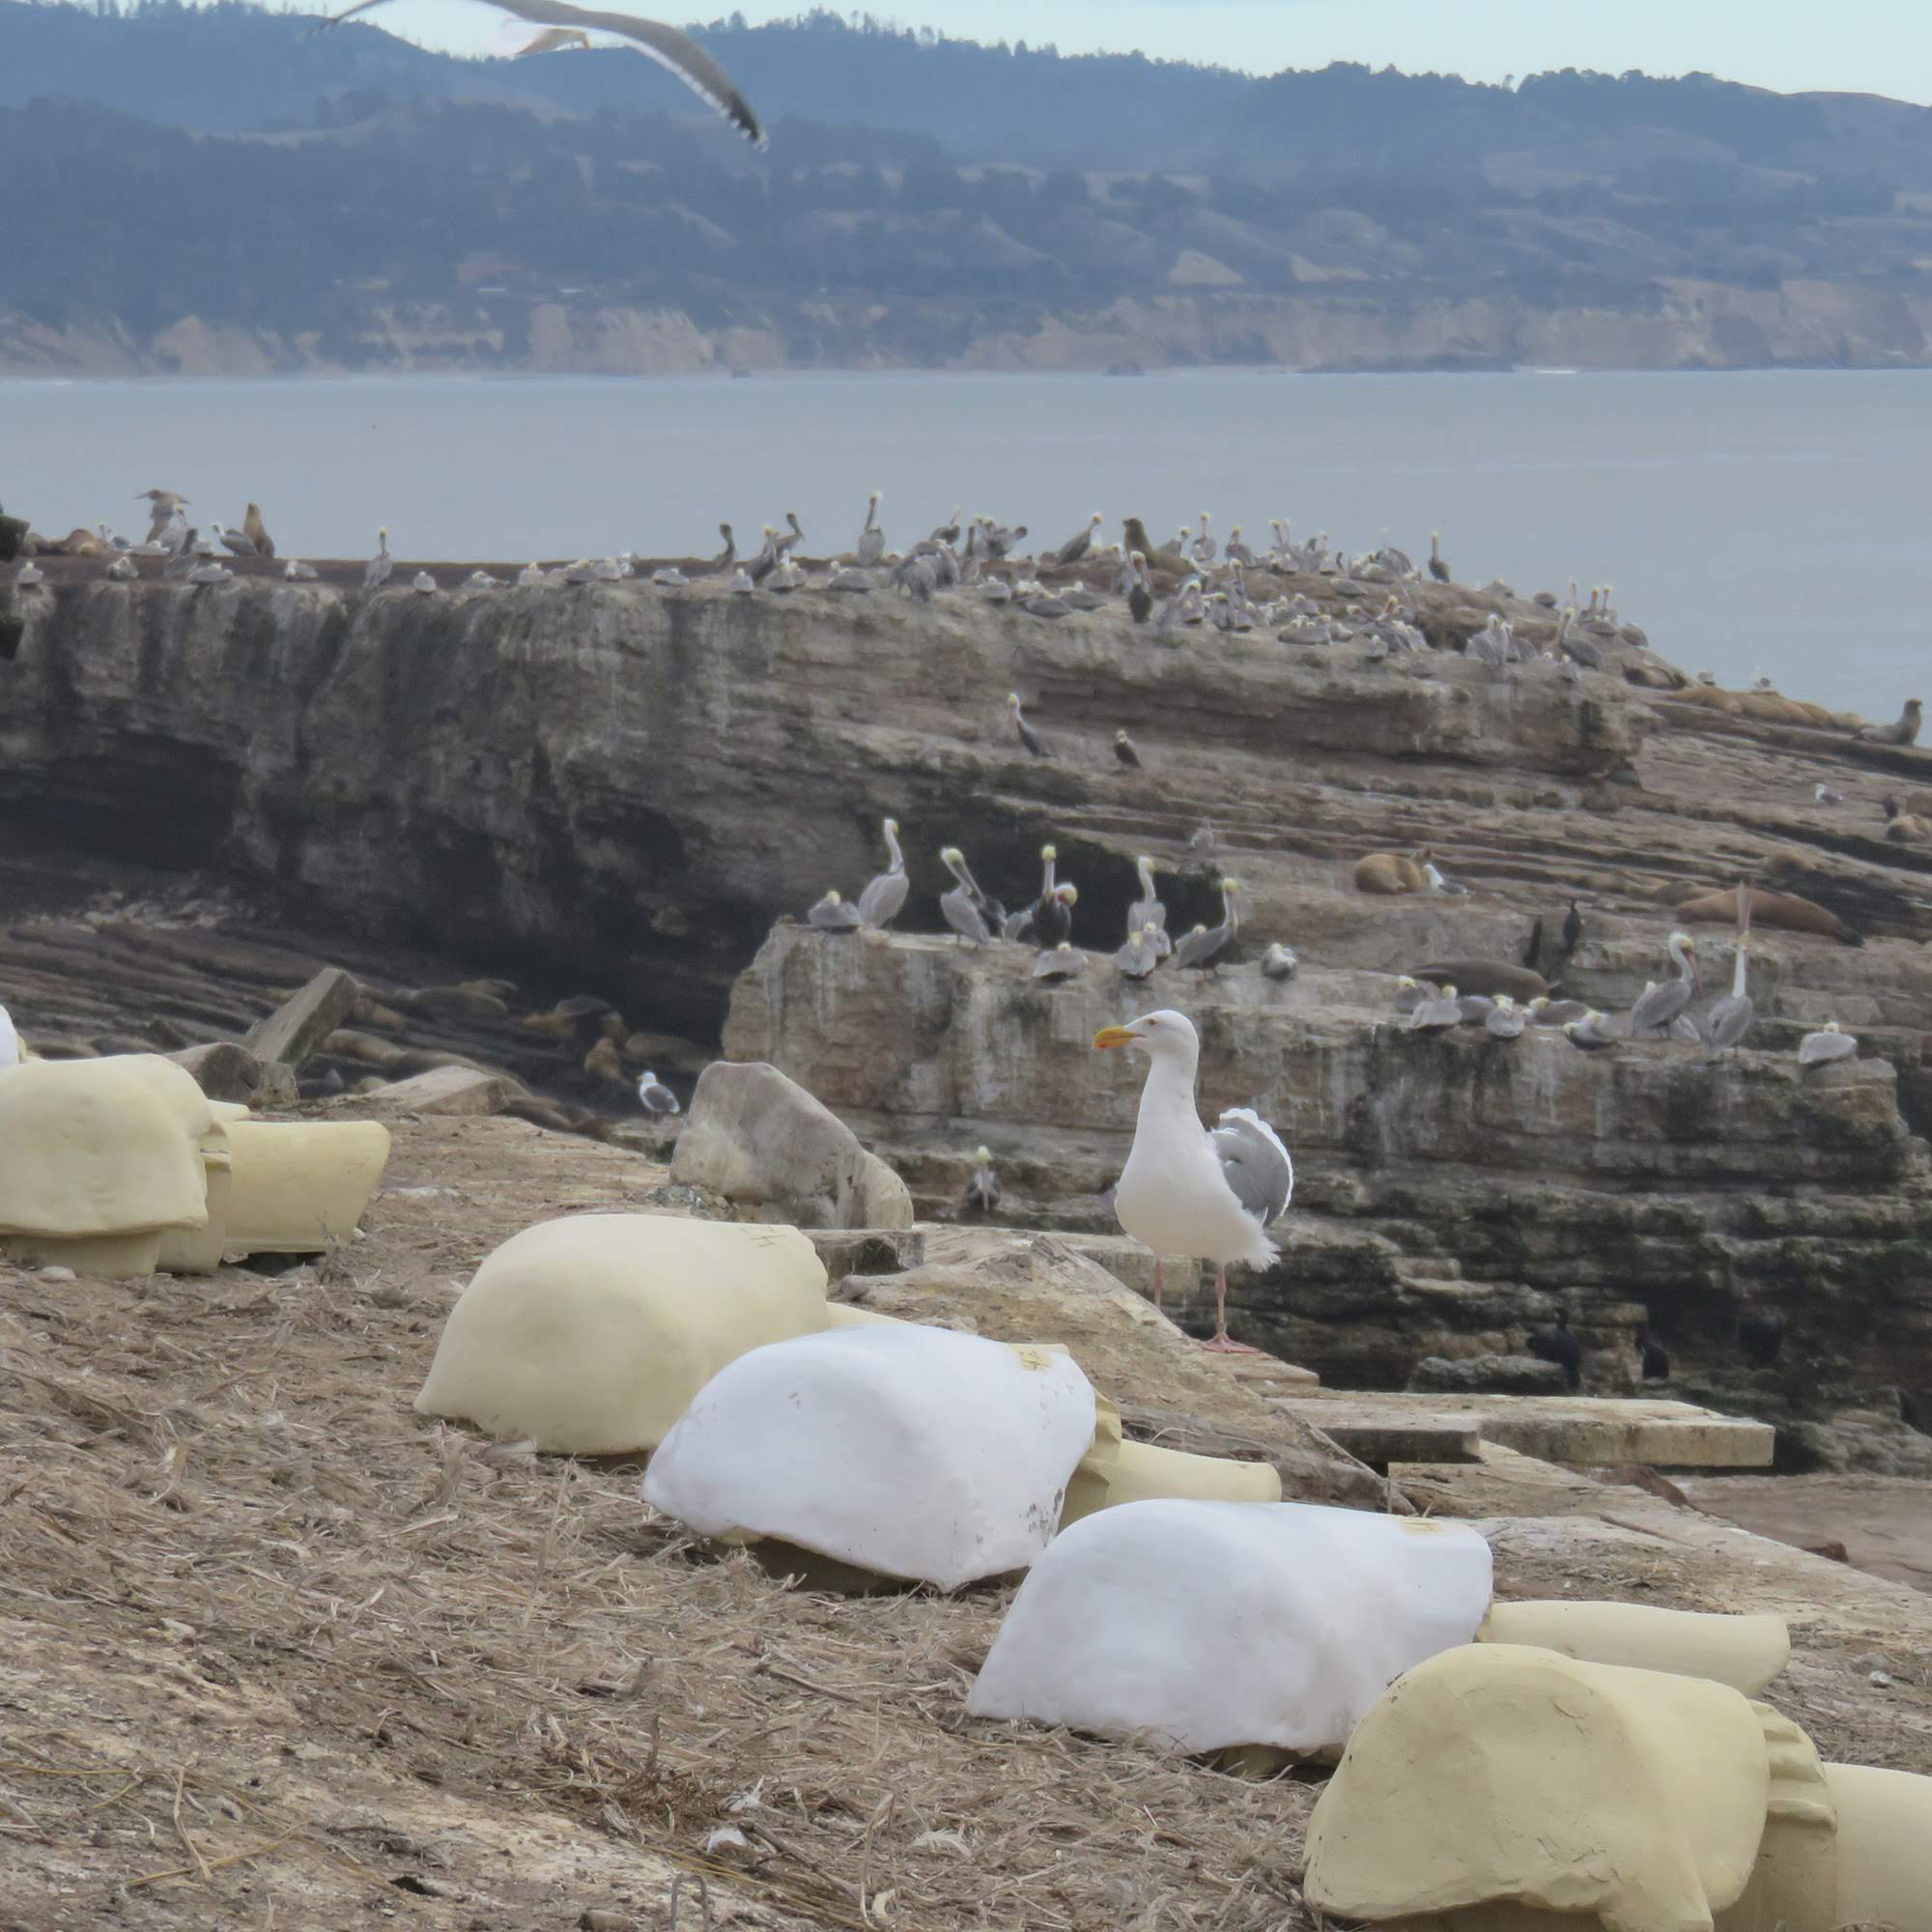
x=348, y=14
x=670, y=47
x=1255, y=1163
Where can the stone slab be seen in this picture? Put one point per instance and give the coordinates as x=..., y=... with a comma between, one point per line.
x=449, y=1090
x=303, y=1022
x=1379, y=1439
x=1594, y=1431
x=847, y=1251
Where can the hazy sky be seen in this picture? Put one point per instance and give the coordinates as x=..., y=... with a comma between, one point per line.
x=1879, y=46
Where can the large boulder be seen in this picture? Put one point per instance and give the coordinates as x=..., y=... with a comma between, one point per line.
x=764, y=1144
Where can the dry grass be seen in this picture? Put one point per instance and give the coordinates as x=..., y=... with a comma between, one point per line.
x=276, y=1646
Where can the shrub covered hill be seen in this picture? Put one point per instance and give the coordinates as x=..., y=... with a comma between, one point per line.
x=209, y=188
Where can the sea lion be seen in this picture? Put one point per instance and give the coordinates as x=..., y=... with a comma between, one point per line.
x=1904, y=732
x=1785, y=910
x=1708, y=698
x=1904, y=828
x=1389, y=873
x=1486, y=976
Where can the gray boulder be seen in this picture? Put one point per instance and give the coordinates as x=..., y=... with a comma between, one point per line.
x=764, y=1144
x=1486, y=1375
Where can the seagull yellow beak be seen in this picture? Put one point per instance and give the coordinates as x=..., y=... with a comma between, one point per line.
x=1114, y=1037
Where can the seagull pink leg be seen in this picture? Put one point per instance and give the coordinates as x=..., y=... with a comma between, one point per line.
x=1221, y=1344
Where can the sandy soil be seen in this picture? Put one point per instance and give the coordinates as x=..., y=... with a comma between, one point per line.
x=274, y=1652
x=1884, y=1522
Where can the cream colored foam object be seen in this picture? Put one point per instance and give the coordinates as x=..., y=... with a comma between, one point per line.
x=121, y=1166
x=1504, y=1788
x=591, y=1335
x=903, y=1451
x=1743, y=1652
x=1211, y=1624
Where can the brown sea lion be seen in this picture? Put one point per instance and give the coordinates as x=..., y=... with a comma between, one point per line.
x=1486, y=977
x=1904, y=828
x=1905, y=732
x=1785, y=910
x=1388, y=873
x=1708, y=698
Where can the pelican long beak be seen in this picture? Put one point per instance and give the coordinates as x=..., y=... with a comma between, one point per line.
x=1115, y=1037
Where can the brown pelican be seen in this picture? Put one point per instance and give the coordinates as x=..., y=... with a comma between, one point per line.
x=28, y=575
x=1140, y=599
x=1062, y=962
x=257, y=531
x=1125, y=751
x=1572, y=930
x=1475, y=1007
x=1410, y=993
x=666, y=46
x=983, y=1191
x=1830, y=1043
x=960, y=907
x=871, y=546
x=1201, y=946
x=835, y=913
x=1202, y=549
x=1077, y=547
x=1590, y=1032
x=1730, y=1018
x=1019, y=924
x=654, y=1097
x=1053, y=915
x=376, y=573
x=947, y=533
x=766, y=561
x=1435, y=1013
x=1505, y=1020
x=879, y=904
x=1142, y=953
x=1279, y=961
x=1655, y=1008
x=1188, y=1191
x=237, y=542
x=1147, y=910
x=422, y=583
x=123, y=570
x=1438, y=569
x=1027, y=737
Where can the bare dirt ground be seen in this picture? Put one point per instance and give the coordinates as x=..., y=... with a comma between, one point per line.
x=275, y=1651
x=1884, y=1522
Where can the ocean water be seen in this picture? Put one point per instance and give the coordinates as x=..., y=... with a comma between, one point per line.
x=1771, y=522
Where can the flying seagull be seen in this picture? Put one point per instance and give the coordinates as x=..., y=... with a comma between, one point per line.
x=666, y=45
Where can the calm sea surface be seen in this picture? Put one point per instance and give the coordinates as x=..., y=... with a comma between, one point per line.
x=1773, y=521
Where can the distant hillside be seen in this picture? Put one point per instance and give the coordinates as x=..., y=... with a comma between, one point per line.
x=352, y=201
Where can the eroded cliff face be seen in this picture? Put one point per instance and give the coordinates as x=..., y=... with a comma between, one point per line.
x=623, y=787
x=1453, y=1191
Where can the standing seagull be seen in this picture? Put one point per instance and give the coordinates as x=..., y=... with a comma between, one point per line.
x=666, y=46
x=655, y=1097
x=376, y=572
x=1027, y=737
x=1186, y=1191
x=880, y=902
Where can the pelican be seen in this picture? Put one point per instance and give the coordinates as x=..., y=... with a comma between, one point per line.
x=1543, y=1011
x=1188, y=1191
x=481, y=580
x=1053, y=915
x=237, y=541
x=1061, y=963
x=1409, y=993
x=1027, y=737
x=211, y=572
x=1235, y=551
x=1202, y=549
x=123, y=570
x=960, y=907
x=654, y=1097
x=835, y=913
x=1828, y=1044
x=1142, y=953
x=1730, y=1018
x=376, y=574
x=1140, y=599
x=669, y=576
x=1127, y=750
x=531, y=572
x=1201, y=946
x=871, y=539
x=1591, y=1032
x=1019, y=925
x=1147, y=910
x=666, y=46
x=1279, y=961
x=1505, y=1020
x=422, y=583
x=299, y=571
x=1438, y=569
x=1436, y=1013
x=880, y=902
x=1655, y=1008
x=983, y=1191
x=854, y=582
x=1077, y=547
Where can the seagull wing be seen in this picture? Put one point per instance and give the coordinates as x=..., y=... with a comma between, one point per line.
x=1254, y=1164
x=670, y=47
x=348, y=14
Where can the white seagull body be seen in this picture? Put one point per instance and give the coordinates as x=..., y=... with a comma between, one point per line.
x=1188, y=1191
x=10, y=1040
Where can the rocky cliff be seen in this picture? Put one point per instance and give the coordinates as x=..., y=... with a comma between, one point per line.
x=618, y=789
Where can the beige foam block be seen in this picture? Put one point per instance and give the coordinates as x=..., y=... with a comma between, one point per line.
x=1743, y=1652
x=591, y=1335
x=1496, y=1778
x=100, y=1147
x=1115, y=1471
x=1885, y=1847
x=296, y=1186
